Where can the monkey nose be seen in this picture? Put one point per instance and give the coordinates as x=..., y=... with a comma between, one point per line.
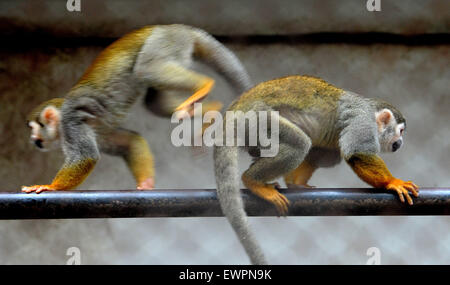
x=396, y=145
x=38, y=143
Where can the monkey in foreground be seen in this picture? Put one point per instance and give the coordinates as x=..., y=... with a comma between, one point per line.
x=319, y=124
x=153, y=60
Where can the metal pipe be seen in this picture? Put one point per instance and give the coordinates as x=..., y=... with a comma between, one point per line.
x=204, y=203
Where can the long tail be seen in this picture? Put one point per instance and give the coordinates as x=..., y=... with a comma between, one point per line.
x=207, y=48
x=227, y=178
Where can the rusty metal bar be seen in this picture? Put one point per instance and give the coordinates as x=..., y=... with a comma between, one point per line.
x=204, y=203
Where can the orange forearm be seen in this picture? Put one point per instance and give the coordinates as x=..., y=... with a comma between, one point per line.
x=70, y=176
x=371, y=169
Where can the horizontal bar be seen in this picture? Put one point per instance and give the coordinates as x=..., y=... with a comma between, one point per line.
x=204, y=203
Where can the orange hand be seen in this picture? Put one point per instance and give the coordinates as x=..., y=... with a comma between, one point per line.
x=147, y=184
x=372, y=170
x=403, y=188
x=38, y=188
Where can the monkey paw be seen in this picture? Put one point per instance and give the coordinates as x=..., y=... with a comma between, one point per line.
x=281, y=203
x=403, y=188
x=37, y=188
x=147, y=184
x=270, y=193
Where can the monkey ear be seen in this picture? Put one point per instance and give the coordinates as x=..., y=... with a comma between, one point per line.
x=50, y=115
x=383, y=117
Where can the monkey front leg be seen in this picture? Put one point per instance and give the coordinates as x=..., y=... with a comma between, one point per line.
x=173, y=76
x=140, y=161
x=81, y=152
x=133, y=148
x=372, y=169
x=70, y=176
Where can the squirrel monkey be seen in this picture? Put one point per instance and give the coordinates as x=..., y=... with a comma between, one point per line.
x=152, y=60
x=319, y=124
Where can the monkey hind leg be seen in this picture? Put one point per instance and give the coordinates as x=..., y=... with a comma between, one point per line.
x=164, y=102
x=293, y=147
x=301, y=175
x=173, y=76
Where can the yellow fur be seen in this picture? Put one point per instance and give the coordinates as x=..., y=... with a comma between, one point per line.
x=116, y=56
x=299, y=91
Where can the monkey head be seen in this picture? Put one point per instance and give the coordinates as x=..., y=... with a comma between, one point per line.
x=44, y=123
x=390, y=130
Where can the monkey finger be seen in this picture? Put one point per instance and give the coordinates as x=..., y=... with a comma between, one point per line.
x=36, y=188
x=410, y=183
x=282, y=204
x=411, y=189
x=282, y=210
x=27, y=189
x=30, y=189
x=279, y=207
x=285, y=200
x=408, y=197
x=399, y=193
x=402, y=193
x=41, y=190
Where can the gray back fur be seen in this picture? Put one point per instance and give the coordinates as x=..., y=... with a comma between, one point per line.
x=357, y=124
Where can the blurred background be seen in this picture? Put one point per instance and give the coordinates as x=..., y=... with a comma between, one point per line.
x=400, y=54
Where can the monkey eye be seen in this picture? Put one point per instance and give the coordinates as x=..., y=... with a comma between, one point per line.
x=401, y=131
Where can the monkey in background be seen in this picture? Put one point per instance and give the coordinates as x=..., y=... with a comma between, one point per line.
x=153, y=60
x=319, y=124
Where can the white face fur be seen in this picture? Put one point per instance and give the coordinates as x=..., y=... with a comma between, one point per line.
x=44, y=132
x=390, y=133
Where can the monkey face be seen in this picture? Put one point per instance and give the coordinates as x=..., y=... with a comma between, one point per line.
x=44, y=130
x=390, y=133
